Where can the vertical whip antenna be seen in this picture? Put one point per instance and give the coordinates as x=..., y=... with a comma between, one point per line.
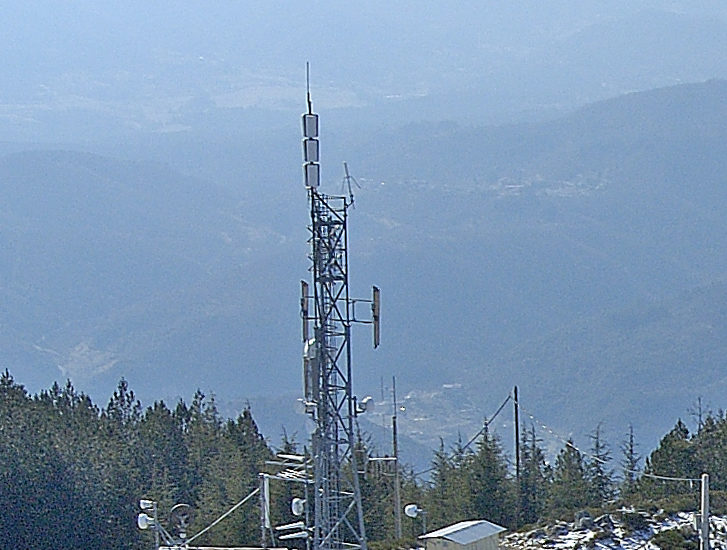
x=307, y=88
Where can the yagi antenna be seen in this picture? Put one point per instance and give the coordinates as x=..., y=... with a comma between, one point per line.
x=346, y=183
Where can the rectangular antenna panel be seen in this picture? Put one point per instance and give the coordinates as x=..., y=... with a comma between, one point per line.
x=304, y=308
x=310, y=125
x=312, y=173
x=376, y=316
x=311, y=150
x=311, y=375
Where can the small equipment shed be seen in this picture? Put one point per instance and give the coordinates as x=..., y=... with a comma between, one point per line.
x=477, y=534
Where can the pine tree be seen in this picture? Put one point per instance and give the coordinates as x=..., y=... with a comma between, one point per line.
x=377, y=490
x=449, y=498
x=248, y=443
x=710, y=451
x=164, y=457
x=123, y=407
x=534, y=478
x=224, y=484
x=82, y=442
x=491, y=491
x=569, y=489
x=600, y=476
x=225, y=460
x=245, y=435
x=674, y=457
x=700, y=412
x=123, y=480
x=629, y=464
x=202, y=427
x=39, y=504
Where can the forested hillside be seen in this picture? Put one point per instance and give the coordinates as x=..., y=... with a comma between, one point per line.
x=72, y=473
x=580, y=258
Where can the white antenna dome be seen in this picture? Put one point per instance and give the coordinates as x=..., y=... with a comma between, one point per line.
x=411, y=510
x=297, y=506
x=144, y=522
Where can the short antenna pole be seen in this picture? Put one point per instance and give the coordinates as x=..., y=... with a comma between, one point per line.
x=704, y=515
x=397, y=479
x=517, y=436
x=307, y=88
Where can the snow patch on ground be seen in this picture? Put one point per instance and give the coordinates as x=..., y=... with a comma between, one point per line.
x=622, y=530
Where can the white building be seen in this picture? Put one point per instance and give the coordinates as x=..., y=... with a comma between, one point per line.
x=478, y=534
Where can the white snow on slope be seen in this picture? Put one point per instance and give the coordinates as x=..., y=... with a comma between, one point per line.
x=623, y=530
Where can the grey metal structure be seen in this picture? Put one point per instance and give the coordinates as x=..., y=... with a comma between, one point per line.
x=337, y=510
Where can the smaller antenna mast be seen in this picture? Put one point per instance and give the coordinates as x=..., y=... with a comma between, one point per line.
x=397, y=479
x=347, y=179
x=307, y=88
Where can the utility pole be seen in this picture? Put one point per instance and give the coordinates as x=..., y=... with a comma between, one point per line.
x=157, y=541
x=517, y=454
x=704, y=515
x=397, y=480
x=517, y=437
x=265, y=524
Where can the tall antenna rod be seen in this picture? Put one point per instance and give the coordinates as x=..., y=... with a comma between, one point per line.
x=307, y=88
x=516, y=405
x=397, y=478
x=327, y=360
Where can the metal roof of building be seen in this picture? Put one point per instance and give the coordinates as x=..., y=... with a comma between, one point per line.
x=466, y=532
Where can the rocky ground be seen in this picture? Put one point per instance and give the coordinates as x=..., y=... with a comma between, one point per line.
x=622, y=530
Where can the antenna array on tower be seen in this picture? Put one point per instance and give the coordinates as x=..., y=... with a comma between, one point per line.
x=337, y=510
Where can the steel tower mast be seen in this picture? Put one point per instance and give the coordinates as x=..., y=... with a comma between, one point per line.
x=329, y=400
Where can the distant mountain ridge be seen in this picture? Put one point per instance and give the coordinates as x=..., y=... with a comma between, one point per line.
x=579, y=258
x=110, y=267
x=616, y=208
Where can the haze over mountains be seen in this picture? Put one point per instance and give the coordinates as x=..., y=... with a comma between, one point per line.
x=154, y=223
x=88, y=73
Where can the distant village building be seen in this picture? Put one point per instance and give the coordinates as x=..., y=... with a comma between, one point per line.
x=478, y=534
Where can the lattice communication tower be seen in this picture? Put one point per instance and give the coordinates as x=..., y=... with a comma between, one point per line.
x=337, y=510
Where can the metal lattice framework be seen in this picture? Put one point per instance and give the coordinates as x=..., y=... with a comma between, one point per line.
x=336, y=508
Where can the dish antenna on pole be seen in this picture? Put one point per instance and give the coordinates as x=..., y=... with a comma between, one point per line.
x=413, y=511
x=181, y=516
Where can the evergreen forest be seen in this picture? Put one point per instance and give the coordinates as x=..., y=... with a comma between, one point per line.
x=72, y=474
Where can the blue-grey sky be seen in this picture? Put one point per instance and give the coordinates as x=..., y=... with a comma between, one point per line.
x=146, y=59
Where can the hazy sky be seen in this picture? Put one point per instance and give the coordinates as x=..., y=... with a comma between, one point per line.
x=395, y=48
x=87, y=70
